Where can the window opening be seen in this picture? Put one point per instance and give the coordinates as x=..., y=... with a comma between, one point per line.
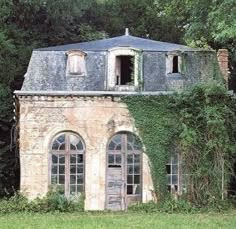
x=67, y=163
x=175, y=64
x=124, y=70
x=176, y=179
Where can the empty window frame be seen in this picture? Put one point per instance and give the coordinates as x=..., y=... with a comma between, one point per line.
x=67, y=163
x=175, y=64
x=76, y=62
x=124, y=70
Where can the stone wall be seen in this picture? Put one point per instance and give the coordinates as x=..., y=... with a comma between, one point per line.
x=95, y=119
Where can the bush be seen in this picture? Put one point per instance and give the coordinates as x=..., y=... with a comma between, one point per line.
x=54, y=201
x=170, y=205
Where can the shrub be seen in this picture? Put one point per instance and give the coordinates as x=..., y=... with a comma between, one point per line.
x=53, y=201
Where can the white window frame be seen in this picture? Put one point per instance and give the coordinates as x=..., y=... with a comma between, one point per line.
x=111, y=76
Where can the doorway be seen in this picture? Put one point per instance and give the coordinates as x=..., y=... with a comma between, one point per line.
x=124, y=172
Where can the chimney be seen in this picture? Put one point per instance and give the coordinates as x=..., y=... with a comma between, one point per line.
x=223, y=60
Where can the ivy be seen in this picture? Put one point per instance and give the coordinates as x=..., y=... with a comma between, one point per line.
x=200, y=123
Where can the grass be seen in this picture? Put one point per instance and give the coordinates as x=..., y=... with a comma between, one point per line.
x=118, y=220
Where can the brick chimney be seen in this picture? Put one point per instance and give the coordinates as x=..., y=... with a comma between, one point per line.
x=223, y=60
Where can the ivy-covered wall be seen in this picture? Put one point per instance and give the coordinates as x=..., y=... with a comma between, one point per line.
x=201, y=123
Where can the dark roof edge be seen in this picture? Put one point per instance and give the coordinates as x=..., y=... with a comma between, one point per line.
x=89, y=93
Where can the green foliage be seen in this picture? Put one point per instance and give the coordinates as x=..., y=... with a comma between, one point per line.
x=54, y=201
x=200, y=123
x=170, y=205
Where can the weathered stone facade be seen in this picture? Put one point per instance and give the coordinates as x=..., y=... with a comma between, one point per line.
x=95, y=119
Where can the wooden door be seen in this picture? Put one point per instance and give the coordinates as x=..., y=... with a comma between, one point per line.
x=123, y=182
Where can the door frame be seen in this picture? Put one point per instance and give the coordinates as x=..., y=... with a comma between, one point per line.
x=124, y=153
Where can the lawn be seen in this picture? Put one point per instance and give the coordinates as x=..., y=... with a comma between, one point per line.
x=118, y=220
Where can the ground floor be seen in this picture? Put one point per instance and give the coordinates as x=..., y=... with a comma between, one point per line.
x=84, y=145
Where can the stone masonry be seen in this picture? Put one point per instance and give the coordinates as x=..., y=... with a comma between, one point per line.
x=95, y=119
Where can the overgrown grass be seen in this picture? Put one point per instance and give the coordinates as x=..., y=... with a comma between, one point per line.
x=118, y=220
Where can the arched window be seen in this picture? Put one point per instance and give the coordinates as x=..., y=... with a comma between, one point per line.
x=67, y=163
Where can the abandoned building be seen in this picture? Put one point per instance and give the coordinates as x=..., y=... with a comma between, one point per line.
x=74, y=130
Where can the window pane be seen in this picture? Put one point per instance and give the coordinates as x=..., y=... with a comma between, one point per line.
x=130, y=179
x=118, y=147
x=54, y=179
x=72, y=147
x=55, y=145
x=54, y=159
x=130, y=146
x=62, y=159
x=129, y=189
x=136, y=179
x=112, y=145
x=174, y=179
x=80, y=188
x=80, y=179
x=54, y=169
x=174, y=169
x=72, y=169
x=118, y=159
x=79, y=158
x=72, y=189
x=136, y=169
x=130, y=169
x=61, y=179
x=129, y=158
x=61, y=169
x=80, y=146
x=61, y=138
x=137, y=189
x=168, y=179
x=73, y=158
x=168, y=169
x=111, y=158
x=72, y=179
x=136, y=158
x=62, y=146
x=117, y=138
x=80, y=168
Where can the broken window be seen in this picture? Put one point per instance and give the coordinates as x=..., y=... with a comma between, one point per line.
x=124, y=70
x=173, y=62
x=175, y=67
x=67, y=163
x=176, y=180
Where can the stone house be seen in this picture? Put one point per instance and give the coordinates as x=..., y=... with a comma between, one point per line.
x=75, y=132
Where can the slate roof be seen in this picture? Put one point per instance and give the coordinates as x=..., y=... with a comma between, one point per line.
x=120, y=41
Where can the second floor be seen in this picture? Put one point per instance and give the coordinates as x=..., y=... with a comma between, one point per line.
x=124, y=63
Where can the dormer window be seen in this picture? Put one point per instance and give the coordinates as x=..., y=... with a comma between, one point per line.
x=124, y=69
x=173, y=62
x=76, y=62
x=175, y=67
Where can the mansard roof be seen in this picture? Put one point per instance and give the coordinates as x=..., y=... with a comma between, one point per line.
x=120, y=41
